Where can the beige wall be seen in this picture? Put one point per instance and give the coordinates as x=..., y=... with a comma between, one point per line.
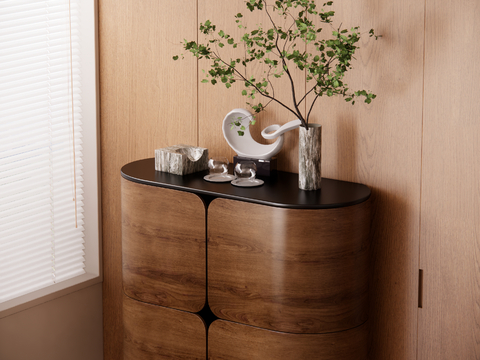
x=416, y=146
x=69, y=327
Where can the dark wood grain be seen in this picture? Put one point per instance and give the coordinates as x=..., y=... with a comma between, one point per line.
x=299, y=271
x=154, y=332
x=163, y=246
x=230, y=341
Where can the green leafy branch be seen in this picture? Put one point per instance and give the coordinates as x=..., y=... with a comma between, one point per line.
x=276, y=49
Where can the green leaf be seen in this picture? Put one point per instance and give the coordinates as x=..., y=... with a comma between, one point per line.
x=326, y=67
x=240, y=133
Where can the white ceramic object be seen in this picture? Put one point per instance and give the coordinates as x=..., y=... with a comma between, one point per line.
x=247, y=183
x=219, y=178
x=274, y=131
x=246, y=146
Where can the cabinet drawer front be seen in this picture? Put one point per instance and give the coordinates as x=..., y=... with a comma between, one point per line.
x=298, y=271
x=154, y=332
x=163, y=246
x=231, y=341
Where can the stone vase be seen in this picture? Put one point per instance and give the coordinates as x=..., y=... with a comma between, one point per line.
x=310, y=157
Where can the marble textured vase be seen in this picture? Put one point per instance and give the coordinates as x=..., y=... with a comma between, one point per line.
x=181, y=159
x=310, y=157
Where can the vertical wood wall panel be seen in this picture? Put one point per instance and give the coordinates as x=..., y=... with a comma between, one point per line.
x=148, y=101
x=380, y=145
x=449, y=322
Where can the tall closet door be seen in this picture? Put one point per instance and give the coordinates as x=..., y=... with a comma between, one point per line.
x=449, y=320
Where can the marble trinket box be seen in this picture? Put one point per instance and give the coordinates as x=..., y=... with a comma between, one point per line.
x=181, y=159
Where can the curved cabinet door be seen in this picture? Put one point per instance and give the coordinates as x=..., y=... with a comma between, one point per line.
x=163, y=246
x=153, y=332
x=230, y=341
x=291, y=270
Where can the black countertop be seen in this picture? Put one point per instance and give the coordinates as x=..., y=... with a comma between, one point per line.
x=280, y=190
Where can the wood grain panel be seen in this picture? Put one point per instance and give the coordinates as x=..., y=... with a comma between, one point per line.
x=147, y=102
x=380, y=145
x=216, y=101
x=449, y=322
x=154, y=332
x=230, y=341
x=163, y=246
x=299, y=271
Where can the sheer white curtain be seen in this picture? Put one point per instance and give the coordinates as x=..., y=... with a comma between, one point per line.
x=41, y=178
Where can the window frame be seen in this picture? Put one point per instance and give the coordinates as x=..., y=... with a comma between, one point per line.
x=91, y=167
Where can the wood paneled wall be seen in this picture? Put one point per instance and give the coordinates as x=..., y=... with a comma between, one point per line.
x=416, y=146
x=449, y=322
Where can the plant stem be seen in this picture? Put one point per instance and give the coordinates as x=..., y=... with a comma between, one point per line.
x=311, y=108
x=305, y=96
x=287, y=71
x=256, y=88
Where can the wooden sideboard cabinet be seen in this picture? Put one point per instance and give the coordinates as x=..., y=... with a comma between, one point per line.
x=220, y=272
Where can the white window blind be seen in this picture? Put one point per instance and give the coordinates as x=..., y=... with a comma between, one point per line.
x=41, y=178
